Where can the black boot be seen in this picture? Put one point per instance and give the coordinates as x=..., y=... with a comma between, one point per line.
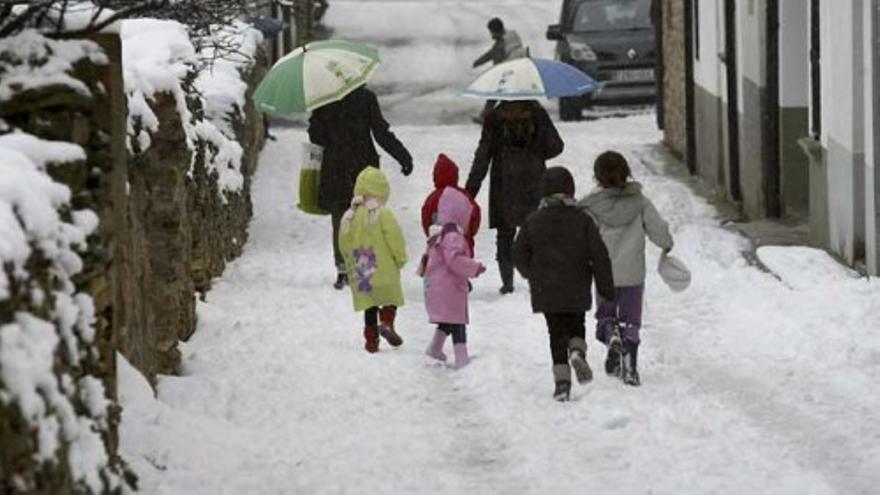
x=630, y=374
x=616, y=351
x=341, y=279
x=612, y=362
x=506, y=270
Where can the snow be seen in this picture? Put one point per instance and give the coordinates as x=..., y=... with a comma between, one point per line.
x=41, y=151
x=744, y=387
x=157, y=58
x=81, y=15
x=31, y=61
x=31, y=206
x=754, y=382
x=220, y=83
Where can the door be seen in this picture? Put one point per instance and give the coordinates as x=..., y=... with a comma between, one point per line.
x=815, y=69
x=772, y=172
x=690, y=47
x=732, y=97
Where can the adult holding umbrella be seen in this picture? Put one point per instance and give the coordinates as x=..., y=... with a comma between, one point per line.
x=517, y=139
x=328, y=78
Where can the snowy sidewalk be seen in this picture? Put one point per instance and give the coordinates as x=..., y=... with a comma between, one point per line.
x=751, y=384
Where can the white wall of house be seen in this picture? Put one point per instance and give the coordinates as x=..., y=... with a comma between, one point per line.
x=709, y=71
x=751, y=41
x=794, y=48
x=871, y=31
x=842, y=116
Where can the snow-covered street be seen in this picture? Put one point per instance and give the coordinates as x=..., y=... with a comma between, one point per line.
x=753, y=382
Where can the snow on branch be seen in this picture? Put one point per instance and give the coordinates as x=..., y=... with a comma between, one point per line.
x=78, y=18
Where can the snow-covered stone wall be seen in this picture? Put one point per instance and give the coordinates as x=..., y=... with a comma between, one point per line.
x=57, y=403
x=193, y=142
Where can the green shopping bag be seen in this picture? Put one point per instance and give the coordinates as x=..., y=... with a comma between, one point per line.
x=310, y=179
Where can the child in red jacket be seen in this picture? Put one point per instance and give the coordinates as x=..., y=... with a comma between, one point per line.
x=446, y=175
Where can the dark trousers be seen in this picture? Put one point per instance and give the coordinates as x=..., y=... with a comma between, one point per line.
x=504, y=245
x=457, y=331
x=562, y=328
x=504, y=254
x=371, y=315
x=626, y=310
x=336, y=218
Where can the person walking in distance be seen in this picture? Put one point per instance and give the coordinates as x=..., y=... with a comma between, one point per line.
x=507, y=45
x=346, y=130
x=518, y=138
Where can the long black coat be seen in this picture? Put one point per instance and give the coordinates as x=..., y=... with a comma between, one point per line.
x=518, y=138
x=346, y=130
x=559, y=250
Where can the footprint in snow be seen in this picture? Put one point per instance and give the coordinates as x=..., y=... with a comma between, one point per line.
x=617, y=423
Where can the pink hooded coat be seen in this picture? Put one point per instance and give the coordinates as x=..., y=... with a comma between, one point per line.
x=450, y=262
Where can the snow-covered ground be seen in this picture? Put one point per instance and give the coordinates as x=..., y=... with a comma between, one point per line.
x=753, y=382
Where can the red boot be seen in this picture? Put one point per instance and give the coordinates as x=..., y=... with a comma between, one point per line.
x=371, y=336
x=386, y=326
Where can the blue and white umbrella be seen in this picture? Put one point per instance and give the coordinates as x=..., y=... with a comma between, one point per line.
x=530, y=78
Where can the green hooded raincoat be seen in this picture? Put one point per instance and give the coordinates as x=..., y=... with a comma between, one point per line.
x=372, y=244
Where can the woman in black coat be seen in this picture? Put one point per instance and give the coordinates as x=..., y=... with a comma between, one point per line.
x=346, y=129
x=518, y=138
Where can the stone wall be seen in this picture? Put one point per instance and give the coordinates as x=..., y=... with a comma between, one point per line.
x=183, y=230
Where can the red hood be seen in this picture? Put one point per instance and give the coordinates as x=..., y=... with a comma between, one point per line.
x=445, y=172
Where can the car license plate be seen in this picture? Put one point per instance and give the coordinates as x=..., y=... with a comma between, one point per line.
x=633, y=75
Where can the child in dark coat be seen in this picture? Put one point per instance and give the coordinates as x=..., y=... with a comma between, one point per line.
x=559, y=250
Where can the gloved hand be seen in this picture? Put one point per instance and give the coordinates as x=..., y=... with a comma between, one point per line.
x=406, y=168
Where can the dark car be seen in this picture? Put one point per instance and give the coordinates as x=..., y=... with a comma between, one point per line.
x=613, y=42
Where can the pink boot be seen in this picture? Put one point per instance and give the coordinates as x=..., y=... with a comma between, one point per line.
x=461, y=356
x=435, y=348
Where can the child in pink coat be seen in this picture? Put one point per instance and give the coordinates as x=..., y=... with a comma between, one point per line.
x=448, y=265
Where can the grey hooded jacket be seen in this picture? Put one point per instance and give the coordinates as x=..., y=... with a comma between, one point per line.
x=508, y=47
x=624, y=217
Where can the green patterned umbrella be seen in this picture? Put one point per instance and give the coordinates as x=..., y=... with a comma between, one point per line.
x=314, y=75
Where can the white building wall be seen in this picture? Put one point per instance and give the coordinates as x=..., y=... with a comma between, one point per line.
x=794, y=48
x=752, y=41
x=872, y=174
x=709, y=71
x=839, y=108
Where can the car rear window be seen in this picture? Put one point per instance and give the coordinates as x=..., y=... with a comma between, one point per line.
x=612, y=15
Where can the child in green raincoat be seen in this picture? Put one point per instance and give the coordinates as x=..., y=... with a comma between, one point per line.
x=374, y=251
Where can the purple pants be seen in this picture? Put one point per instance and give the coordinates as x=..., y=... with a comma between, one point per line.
x=626, y=310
